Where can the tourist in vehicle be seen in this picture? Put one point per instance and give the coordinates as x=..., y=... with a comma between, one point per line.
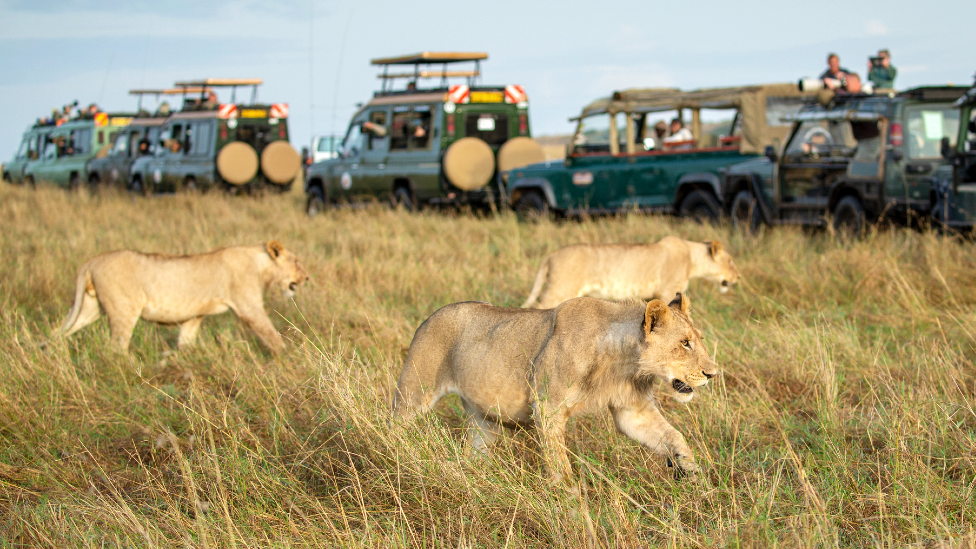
x=681, y=137
x=880, y=71
x=660, y=133
x=835, y=75
x=852, y=83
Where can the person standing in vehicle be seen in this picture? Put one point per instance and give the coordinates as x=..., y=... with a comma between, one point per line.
x=880, y=71
x=835, y=75
x=681, y=136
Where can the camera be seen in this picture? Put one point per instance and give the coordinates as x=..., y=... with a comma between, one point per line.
x=810, y=84
x=876, y=62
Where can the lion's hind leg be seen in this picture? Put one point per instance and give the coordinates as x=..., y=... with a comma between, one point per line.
x=482, y=431
x=188, y=332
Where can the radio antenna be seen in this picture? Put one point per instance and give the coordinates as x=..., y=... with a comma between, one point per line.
x=342, y=49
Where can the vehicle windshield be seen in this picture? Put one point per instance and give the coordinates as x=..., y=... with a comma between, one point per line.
x=926, y=125
x=352, y=145
x=22, y=151
x=823, y=138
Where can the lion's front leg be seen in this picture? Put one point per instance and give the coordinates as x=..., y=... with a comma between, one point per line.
x=257, y=320
x=188, y=332
x=647, y=426
x=551, y=425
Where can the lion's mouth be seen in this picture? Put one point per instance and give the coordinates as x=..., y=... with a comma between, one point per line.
x=681, y=387
x=292, y=286
x=724, y=286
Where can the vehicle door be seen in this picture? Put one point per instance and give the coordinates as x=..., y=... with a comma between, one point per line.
x=924, y=127
x=372, y=170
x=413, y=154
x=645, y=179
x=816, y=155
x=592, y=167
x=198, y=159
x=866, y=166
x=168, y=169
x=346, y=181
x=45, y=166
x=15, y=168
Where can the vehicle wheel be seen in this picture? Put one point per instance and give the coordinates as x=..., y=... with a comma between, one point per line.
x=29, y=181
x=531, y=207
x=403, y=197
x=140, y=187
x=74, y=184
x=6, y=177
x=190, y=185
x=93, y=184
x=701, y=206
x=745, y=212
x=316, y=201
x=849, y=217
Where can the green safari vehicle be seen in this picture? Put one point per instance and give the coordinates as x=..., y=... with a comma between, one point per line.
x=232, y=146
x=854, y=158
x=619, y=159
x=433, y=145
x=954, y=186
x=58, y=155
x=31, y=145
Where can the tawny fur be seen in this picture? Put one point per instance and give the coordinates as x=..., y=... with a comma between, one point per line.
x=540, y=367
x=181, y=290
x=622, y=271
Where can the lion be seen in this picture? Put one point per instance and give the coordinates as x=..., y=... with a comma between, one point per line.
x=541, y=367
x=181, y=290
x=621, y=271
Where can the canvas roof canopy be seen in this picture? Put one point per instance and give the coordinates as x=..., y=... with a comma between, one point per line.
x=750, y=101
x=221, y=82
x=431, y=57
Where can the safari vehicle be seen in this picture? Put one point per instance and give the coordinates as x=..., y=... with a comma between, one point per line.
x=954, y=186
x=112, y=166
x=856, y=158
x=231, y=146
x=52, y=154
x=441, y=144
x=616, y=161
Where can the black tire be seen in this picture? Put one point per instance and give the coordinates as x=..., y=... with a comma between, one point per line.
x=315, y=204
x=140, y=187
x=403, y=197
x=701, y=206
x=6, y=177
x=744, y=213
x=190, y=185
x=531, y=207
x=29, y=181
x=74, y=183
x=93, y=184
x=849, y=218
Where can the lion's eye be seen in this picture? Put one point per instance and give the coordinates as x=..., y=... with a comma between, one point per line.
x=686, y=344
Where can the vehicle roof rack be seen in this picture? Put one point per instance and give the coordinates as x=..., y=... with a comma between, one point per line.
x=428, y=58
x=204, y=84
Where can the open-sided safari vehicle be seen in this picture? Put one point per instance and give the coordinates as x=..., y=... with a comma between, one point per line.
x=233, y=146
x=619, y=161
x=954, y=188
x=854, y=158
x=419, y=144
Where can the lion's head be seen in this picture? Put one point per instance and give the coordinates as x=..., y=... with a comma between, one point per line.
x=289, y=273
x=724, y=272
x=672, y=351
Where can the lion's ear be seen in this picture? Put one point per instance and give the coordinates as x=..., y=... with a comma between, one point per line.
x=714, y=247
x=275, y=248
x=655, y=313
x=681, y=302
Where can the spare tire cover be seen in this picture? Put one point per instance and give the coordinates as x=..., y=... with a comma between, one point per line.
x=519, y=152
x=469, y=163
x=280, y=162
x=237, y=163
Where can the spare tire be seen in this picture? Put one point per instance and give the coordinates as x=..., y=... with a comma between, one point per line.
x=519, y=152
x=237, y=163
x=280, y=162
x=469, y=163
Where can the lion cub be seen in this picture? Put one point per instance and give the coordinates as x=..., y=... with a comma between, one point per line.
x=183, y=289
x=540, y=367
x=621, y=271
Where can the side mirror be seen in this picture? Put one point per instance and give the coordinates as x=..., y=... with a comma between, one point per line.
x=770, y=153
x=305, y=157
x=945, y=148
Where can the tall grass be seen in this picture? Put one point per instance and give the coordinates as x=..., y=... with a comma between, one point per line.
x=844, y=415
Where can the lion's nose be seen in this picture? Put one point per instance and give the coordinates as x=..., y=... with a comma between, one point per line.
x=708, y=375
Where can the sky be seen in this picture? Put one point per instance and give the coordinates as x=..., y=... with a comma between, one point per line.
x=314, y=54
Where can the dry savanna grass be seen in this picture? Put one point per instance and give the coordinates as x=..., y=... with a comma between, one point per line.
x=844, y=415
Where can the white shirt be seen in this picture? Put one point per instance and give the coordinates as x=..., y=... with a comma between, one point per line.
x=684, y=134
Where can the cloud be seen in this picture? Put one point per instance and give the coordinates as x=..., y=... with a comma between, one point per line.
x=876, y=27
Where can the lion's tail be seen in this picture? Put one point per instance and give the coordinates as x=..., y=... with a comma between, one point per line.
x=85, y=309
x=540, y=281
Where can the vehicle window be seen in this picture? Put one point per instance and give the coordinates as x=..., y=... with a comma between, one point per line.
x=970, y=144
x=410, y=128
x=203, y=138
x=378, y=119
x=51, y=150
x=491, y=128
x=81, y=141
x=34, y=147
x=594, y=134
x=823, y=138
x=132, y=142
x=24, y=146
x=326, y=144
x=926, y=126
x=352, y=145
x=121, y=144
